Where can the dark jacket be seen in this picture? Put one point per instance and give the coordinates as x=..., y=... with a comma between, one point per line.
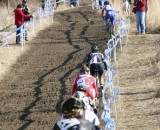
x=25, y=10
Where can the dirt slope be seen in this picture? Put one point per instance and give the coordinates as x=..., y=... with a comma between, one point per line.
x=31, y=93
x=36, y=85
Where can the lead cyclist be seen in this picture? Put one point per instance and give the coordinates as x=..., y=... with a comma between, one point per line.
x=108, y=12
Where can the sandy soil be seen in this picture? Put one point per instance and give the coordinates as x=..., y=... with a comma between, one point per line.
x=32, y=89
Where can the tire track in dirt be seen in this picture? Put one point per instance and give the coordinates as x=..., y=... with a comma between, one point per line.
x=34, y=88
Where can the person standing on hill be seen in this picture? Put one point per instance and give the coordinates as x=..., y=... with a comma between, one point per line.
x=140, y=15
x=19, y=21
x=26, y=11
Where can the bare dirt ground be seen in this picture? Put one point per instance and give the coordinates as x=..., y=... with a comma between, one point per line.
x=32, y=90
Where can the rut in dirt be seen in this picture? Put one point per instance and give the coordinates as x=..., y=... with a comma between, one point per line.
x=34, y=88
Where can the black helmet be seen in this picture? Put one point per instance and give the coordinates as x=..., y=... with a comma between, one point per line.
x=81, y=88
x=24, y=1
x=84, y=69
x=106, y=2
x=72, y=103
x=94, y=48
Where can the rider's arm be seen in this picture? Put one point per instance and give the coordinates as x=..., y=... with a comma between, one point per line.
x=56, y=127
x=103, y=13
x=74, y=87
x=95, y=87
x=103, y=59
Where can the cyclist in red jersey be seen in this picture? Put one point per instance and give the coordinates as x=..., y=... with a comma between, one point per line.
x=88, y=81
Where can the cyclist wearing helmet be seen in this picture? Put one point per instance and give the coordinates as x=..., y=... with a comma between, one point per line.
x=81, y=94
x=88, y=107
x=87, y=80
x=95, y=60
x=108, y=12
x=72, y=110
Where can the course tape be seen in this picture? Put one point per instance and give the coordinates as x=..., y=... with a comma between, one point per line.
x=123, y=30
x=39, y=14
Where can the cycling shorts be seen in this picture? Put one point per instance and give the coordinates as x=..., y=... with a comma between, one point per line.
x=94, y=68
x=110, y=14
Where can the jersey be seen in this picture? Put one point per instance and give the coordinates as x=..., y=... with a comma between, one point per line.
x=95, y=58
x=91, y=117
x=107, y=7
x=73, y=124
x=89, y=82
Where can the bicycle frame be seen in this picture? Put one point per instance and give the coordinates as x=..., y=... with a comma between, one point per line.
x=109, y=27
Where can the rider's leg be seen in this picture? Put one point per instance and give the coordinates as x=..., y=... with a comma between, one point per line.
x=101, y=77
x=92, y=95
x=92, y=69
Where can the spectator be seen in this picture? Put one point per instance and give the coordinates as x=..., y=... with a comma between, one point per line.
x=19, y=21
x=126, y=8
x=26, y=11
x=140, y=15
x=72, y=113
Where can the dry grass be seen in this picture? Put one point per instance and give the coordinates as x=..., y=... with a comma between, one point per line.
x=153, y=18
x=7, y=17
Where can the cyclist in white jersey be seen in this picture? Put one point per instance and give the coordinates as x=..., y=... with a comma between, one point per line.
x=72, y=110
x=89, y=108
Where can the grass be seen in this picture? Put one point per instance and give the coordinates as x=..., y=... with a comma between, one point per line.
x=153, y=18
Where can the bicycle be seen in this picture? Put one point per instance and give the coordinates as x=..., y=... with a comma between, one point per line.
x=109, y=27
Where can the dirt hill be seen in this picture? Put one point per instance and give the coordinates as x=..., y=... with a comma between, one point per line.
x=35, y=86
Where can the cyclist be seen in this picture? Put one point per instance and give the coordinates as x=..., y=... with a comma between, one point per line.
x=88, y=103
x=96, y=63
x=88, y=107
x=108, y=12
x=72, y=110
x=87, y=80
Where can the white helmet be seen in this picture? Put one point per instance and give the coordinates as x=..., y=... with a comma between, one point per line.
x=79, y=95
